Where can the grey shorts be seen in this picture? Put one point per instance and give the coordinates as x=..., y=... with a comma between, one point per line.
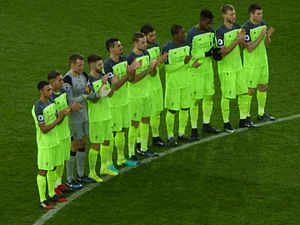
x=79, y=130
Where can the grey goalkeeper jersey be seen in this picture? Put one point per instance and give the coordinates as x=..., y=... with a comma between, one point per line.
x=75, y=89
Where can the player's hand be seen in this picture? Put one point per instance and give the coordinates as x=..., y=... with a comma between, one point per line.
x=67, y=111
x=154, y=64
x=241, y=36
x=187, y=59
x=105, y=79
x=196, y=64
x=135, y=65
x=103, y=92
x=264, y=32
x=270, y=31
x=75, y=106
x=163, y=58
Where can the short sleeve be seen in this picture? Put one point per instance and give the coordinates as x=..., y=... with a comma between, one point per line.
x=39, y=113
x=219, y=37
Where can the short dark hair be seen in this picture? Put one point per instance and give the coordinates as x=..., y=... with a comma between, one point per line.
x=73, y=58
x=175, y=29
x=53, y=74
x=136, y=36
x=206, y=14
x=253, y=7
x=42, y=84
x=226, y=8
x=94, y=58
x=147, y=28
x=110, y=43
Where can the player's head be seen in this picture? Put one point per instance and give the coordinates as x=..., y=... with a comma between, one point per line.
x=55, y=79
x=44, y=89
x=114, y=46
x=150, y=33
x=256, y=13
x=228, y=13
x=139, y=41
x=96, y=63
x=206, y=19
x=76, y=63
x=178, y=33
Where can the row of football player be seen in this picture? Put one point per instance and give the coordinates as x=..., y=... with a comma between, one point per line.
x=129, y=96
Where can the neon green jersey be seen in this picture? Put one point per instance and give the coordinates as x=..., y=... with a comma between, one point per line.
x=61, y=103
x=232, y=62
x=98, y=108
x=176, y=70
x=154, y=81
x=258, y=57
x=141, y=88
x=45, y=113
x=120, y=97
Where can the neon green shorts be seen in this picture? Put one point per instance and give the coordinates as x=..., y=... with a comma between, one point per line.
x=120, y=117
x=157, y=101
x=140, y=108
x=65, y=145
x=45, y=158
x=233, y=84
x=100, y=131
x=202, y=85
x=176, y=99
x=257, y=76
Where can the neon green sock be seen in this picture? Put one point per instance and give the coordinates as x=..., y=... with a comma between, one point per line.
x=154, y=122
x=41, y=183
x=170, y=118
x=104, y=149
x=132, y=134
x=249, y=105
x=183, y=119
x=243, y=105
x=225, y=107
x=144, y=131
x=93, y=160
x=59, y=174
x=138, y=135
x=194, y=114
x=207, y=108
x=120, y=144
x=51, y=177
x=110, y=153
x=261, y=102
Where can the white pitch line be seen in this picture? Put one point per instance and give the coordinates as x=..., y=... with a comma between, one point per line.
x=88, y=188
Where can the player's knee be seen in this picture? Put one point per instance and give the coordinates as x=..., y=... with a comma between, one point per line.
x=106, y=143
x=251, y=92
x=135, y=124
x=95, y=146
x=146, y=120
x=263, y=87
x=185, y=109
x=172, y=111
x=42, y=172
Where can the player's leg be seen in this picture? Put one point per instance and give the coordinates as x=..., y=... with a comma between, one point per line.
x=93, y=156
x=228, y=89
x=185, y=103
x=75, y=143
x=157, y=107
x=208, y=102
x=172, y=104
x=261, y=94
x=251, y=75
x=42, y=186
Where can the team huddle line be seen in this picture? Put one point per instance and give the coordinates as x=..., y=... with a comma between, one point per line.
x=124, y=95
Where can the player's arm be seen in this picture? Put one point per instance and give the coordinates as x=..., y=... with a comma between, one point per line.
x=226, y=50
x=269, y=34
x=141, y=75
x=251, y=45
x=46, y=128
x=68, y=88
